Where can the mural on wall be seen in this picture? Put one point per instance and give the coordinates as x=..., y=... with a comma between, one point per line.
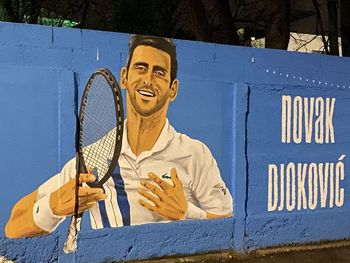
x=161, y=176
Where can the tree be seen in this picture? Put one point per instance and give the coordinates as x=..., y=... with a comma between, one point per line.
x=345, y=27
x=209, y=21
x=332, y=9
x=220, y=21
x=320, y=27
x=21, y=11
x=277, y=25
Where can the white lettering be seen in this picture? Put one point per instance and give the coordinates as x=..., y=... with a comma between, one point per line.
x=301, y=186
x=308, y=116
x=329, y=120
x=290, y=188
x=272, y=188
x=312, y=186
x=305, y=185
x=312, y=118
x=339, y=192
x=297, y=119
x=319, y=121
x=323, y=177
x=280, y=207
x=285, y=118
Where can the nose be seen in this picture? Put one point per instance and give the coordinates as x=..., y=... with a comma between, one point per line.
x=147, y=80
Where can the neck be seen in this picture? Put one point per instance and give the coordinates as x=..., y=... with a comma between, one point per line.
x=143, y=131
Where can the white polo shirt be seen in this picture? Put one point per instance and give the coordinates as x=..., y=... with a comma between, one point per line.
x=195, y=166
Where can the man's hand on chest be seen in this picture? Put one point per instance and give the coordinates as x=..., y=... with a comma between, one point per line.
x=168, y=200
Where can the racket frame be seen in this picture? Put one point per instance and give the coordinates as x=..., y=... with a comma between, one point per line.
x=113, y=84
x=70, y=246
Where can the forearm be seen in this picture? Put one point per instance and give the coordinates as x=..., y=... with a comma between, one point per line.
x=194, y=212
x=21, y=222
x=210, y=215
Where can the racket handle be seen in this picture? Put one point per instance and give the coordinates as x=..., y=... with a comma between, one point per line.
x=70, y=246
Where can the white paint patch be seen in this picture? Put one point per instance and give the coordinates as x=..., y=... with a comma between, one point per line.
x=5, y=260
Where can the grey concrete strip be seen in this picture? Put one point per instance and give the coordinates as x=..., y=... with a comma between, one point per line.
x=328, y=252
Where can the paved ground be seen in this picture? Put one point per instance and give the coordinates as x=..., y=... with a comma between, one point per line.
x=335, y=252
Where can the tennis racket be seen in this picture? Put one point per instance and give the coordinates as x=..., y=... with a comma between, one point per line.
x=99, y=138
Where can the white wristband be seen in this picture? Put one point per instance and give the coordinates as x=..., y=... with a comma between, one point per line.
x=194, y=212
x=44, y=217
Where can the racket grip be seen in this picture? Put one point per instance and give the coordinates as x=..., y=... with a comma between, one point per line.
x=70, y=246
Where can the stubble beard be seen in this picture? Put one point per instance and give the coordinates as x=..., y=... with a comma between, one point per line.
x=160, y=104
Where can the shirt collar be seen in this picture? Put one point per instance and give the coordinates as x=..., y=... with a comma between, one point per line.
x=163, y=140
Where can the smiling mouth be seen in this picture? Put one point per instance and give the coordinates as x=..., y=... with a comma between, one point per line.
x=146, y=93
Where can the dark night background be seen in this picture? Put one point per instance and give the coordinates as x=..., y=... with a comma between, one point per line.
x=233, y=22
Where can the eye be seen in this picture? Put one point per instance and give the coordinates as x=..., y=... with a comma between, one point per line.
x=141, y=68
x=159, y=73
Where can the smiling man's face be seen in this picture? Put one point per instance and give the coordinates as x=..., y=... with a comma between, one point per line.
x=148, y=80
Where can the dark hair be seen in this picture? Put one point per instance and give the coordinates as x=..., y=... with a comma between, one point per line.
x=165, y=44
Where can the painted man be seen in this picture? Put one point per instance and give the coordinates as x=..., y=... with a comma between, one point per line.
x=162, y=175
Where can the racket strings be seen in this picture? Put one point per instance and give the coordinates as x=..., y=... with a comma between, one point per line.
x=97, y=155
x=100, y=127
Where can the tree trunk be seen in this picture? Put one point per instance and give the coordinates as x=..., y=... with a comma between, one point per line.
x=34, y=11
x=223, y=24
x=345, y=27
x=202, y=30
x=319, y=24
x=84, y=17
x=277, y=26
x=333, y=27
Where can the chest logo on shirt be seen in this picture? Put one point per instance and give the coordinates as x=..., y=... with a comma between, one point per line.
x=166, y=176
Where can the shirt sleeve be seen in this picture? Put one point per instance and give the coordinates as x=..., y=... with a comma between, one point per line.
x=67, y=173
x=208, y=187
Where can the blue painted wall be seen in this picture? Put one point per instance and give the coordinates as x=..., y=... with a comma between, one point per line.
x=237, y=92
x=308, y=219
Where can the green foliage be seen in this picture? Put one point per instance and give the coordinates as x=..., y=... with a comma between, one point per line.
x=57, y=22
x=26, y=11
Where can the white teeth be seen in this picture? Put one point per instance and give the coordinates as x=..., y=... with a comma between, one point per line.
x=146, y=93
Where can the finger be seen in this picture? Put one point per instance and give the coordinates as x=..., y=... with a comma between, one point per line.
x=163, y=184
x=175, y=178
x=172, y=215
x=152, y=208
x=86, y=206
x=152, y=198
x=165, y=214
x=91, y=198
x=86, y=191
x=87, y=178
x=153, y=188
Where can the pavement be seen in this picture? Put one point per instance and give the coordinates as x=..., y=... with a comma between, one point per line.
x=332, y=252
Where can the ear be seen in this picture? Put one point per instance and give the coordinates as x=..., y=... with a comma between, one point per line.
x=123, y=77
x=173, y=90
